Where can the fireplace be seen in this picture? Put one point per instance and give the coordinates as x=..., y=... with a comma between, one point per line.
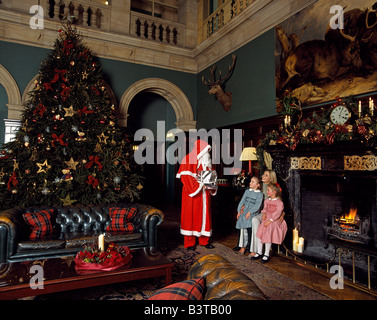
x=336, y=207
x=332, y=202
x=350, y=227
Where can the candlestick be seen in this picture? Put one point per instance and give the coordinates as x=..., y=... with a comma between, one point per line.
x=101, y=242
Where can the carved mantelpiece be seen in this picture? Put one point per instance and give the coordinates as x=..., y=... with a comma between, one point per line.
x=336, y=159
x=340, y=160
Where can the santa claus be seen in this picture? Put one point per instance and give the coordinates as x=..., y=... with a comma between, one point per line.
x=196, y=197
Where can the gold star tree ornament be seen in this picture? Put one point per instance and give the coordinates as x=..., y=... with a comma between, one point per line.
x=43, y=167
x=67, y=201
x=71, y=164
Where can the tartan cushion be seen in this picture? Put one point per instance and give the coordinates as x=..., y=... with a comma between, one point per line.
x=186, y=290
x=40, y=223
x=120, y=219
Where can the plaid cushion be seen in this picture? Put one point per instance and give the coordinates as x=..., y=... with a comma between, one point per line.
x=120, y=219
x=186, y=290
x=40, y=223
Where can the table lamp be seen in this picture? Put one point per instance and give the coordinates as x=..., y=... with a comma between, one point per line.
x=249, y=154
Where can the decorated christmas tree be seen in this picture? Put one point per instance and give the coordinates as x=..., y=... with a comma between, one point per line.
x=69, y=149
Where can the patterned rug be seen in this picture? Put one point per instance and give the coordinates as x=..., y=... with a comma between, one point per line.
x=275, y=285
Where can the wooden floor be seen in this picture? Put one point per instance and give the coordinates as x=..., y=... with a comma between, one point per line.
x=311, y=277
x=307, y=275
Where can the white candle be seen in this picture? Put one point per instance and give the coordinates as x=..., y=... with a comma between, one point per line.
x=360, y=108
x=295, y=234
x=295, y=239
x=101, y=242
x=300, y=246
x=371, y=107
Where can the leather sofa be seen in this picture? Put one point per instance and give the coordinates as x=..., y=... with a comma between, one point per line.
x=74, y=227
x=223, y=280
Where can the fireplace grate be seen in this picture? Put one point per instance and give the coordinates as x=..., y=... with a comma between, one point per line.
x=350, y=227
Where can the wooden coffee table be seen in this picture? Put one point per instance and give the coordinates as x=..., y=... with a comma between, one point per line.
x=60, y=275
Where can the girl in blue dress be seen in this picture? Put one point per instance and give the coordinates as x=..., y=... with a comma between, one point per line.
x=249, y=206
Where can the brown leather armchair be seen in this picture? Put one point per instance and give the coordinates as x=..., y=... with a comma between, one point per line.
x=224, y=281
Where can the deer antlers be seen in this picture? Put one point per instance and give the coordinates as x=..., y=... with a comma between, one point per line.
x=220, y=81
x=225, y=98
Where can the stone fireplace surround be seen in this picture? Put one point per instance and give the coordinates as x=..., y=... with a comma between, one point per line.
x=319, y=181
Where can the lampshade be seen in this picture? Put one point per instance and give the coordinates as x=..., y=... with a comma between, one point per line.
x=249, y=154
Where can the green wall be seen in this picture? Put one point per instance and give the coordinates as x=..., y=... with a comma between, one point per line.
x=252, y=85
x=22, y=62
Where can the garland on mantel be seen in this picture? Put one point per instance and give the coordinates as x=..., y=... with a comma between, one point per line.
x=319, y=129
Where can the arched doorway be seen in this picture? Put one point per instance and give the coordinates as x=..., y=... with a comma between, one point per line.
x=162, y=188
x=173, y=94
x=13, y=92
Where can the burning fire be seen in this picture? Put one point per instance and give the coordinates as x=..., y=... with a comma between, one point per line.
x=349, y=221
x=351, y=216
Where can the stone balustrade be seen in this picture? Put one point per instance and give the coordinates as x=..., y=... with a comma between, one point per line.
x=156, y=29
x=222, y=15
x=86, y=13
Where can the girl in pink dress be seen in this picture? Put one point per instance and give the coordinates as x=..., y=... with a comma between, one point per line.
x=271, y=230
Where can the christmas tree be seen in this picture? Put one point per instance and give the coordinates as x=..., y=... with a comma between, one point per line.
x=69, y=149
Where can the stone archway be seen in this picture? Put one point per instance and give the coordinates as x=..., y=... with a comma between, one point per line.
x=30, y=86
x=13, y=92
x=166, y=89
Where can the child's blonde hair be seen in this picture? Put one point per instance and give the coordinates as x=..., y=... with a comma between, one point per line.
x=275, y=187
x=258, y=181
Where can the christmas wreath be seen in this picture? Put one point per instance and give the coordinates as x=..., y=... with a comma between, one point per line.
x=92, y=260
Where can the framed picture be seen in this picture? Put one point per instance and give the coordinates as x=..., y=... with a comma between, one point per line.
x=327, y=50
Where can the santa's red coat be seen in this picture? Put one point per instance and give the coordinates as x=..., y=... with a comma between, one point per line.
x=196, y=200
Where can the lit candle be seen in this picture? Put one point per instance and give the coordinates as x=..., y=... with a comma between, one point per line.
x=101, y=242
x=295, y=239
x=300, y=246
x=372, y=108
x=359, y=108
x=295, y=235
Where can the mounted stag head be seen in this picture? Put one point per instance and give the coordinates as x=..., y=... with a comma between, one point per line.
x=225, y=98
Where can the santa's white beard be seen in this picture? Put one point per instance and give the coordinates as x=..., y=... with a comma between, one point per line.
x=205, y=161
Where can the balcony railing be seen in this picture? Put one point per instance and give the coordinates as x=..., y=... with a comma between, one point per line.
x=224, y=13
x=156, y=29
x=86, y=13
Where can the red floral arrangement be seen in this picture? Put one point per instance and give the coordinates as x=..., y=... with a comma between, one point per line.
x=91, y=260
